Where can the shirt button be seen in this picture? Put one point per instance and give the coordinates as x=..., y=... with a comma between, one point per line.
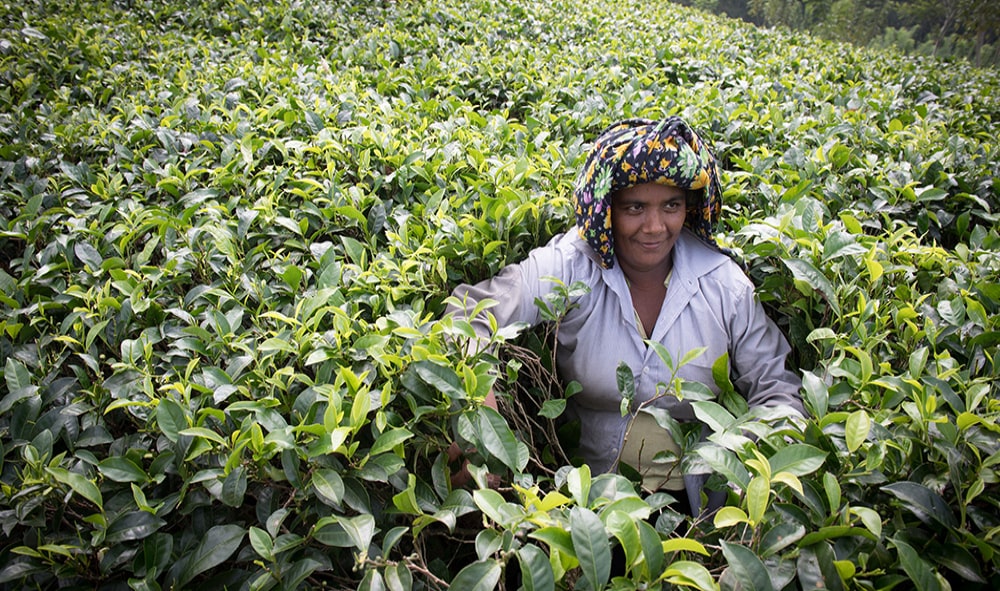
x=645, y=370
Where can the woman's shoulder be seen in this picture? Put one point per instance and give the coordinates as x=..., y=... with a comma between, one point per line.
x=710, y=264
x=569, y=249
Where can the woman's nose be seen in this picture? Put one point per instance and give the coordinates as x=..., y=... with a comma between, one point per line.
x=655, y=222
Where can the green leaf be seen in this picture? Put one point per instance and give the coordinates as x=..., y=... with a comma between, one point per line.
x=779, y=537
x=121, y=469
x=398, y=578
x=234, y=487
x=488, y=541
x=664, y=355
x=361, y=529
x=406, y=499
x=689, y=574
x=171, y=418
x=758, y=495
x=925, y=504
x=500, y=441
x=920, y=572
x=834, y=531
x=730, y=516
x=684, y=545
x=556, y=537
x=839, y=245
x=134, y=525
x=833, y=491
x=80, y=484
x=356, y=251
x=292, y=276
x=18, y=384
x=552, y=409
x=726, y=463
x=691, y=356
x=388, y=440
x=624, y=528
x=918, y=361
x=372, y=581
x=804, y=271
x=578, y=481
x=816, y=568
x=478, y=576
x=274, y=345
x=300, y=570
x=713, y=414
x=216, y=546
x=157, y=552
x=444, y=379
x=314, y=121
x=203, y=433
x=871, y=520
x=261, y=542
x=799, y=459
x=88, y=255
x=858, y=427
x=653, y=552
x=957, y=558
x=493, y=505
x=16, y=375
x=746, y=568
x=536, y=570
x=817, y=396
x=590, y=541
x=390, y=539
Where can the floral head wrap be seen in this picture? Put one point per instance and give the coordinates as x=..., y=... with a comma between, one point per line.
x=638, y=151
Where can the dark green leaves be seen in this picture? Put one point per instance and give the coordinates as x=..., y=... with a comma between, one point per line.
x=536, y=571
x=135, y=525
x=442, y=378
x=478, y=576
x=590, y=541
x=499, y=440
x=19, y=384
x=79, y=484
x=916, y=568
x=925, y=504
x=746, y=568
x=217, y=545
x=811, y=277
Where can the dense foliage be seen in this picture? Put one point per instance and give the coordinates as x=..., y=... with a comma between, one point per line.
x=959, y=29
x=227, y=232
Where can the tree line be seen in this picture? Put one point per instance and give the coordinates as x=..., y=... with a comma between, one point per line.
x=965, y=29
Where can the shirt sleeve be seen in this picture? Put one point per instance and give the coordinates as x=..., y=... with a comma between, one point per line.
x=516, y=287
x=758, y=351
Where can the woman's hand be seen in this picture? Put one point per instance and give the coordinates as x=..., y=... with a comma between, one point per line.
x=461, y=476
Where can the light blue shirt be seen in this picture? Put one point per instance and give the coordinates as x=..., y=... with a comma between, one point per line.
x=709, y=303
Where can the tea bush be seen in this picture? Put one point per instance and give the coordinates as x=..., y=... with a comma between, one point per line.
x=227, y=232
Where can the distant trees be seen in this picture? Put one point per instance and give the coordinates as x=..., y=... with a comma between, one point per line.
x=945, y=28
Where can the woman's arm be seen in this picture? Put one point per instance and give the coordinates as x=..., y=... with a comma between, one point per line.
x=759, y=352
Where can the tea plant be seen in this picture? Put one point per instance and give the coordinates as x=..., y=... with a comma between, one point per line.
x=228, y=230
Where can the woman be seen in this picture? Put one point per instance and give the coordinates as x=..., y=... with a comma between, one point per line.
x=646, y=204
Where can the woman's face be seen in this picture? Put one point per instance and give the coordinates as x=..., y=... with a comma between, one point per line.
x=645, y=223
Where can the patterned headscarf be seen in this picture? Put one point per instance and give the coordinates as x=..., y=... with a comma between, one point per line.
x=638, y=151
